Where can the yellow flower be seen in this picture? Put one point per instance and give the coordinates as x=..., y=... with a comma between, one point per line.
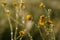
x=42, y=17
x=49, y=22
x=4, y=3
x=15, y=4
x=28, y=17
x=8, y=12
x=21, y=33
x=41, y=21
x=42, y=5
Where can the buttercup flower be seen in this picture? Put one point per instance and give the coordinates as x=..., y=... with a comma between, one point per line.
x=28, y=17
x=41, y=21
x=42, y=5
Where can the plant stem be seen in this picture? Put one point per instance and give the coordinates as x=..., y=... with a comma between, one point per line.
x=10, y=28
x=40, y=32
x=17, y=21
x=29, y=36
x=16, y=24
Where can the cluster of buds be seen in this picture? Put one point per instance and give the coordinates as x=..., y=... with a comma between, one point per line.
x=42, y=21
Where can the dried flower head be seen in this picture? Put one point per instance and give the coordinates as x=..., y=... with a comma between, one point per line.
x=4, y=3
x=8, y=12
x=41, y=20
x=42, y=5
x=21, y=33
x=28, y=17
x=22, y=5
x=15, y=4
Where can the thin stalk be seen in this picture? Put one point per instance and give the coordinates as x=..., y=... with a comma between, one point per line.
x=18, y=37
x=21, y=38
x=16, y=24
x=22, y=12
x=9, y=23
x=17, y=21
x=53, y=32
x=54, y=35
x=10, y=28
x=29, y=36
x=40, y=32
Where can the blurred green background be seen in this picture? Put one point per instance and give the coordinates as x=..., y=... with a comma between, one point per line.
x=32, y=6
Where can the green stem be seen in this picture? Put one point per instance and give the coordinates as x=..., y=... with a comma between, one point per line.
x=29, y=36
x=17, y=21
x=10, y=28
x=40, y=32
x=16, y=24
